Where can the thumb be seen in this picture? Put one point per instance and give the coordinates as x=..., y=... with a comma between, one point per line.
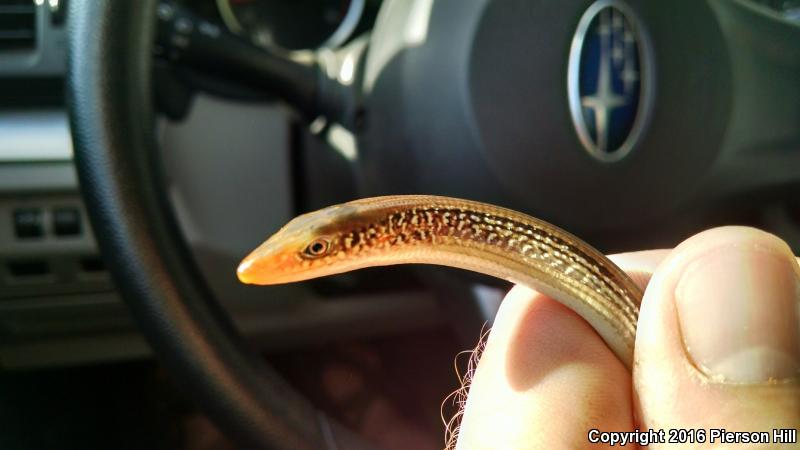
x=718, y=342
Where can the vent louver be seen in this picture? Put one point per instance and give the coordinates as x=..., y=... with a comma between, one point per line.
x=17, y=24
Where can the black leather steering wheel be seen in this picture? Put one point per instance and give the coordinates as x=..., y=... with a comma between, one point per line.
x=480, y=82
x=112, y=122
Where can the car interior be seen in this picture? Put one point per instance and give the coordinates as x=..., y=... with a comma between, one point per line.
x=147, y=146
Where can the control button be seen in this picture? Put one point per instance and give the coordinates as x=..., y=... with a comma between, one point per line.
x=184, y=25
x=27, y=269
x=66, y=222
x=165, y=11
x=28, y=223
x=58, y=11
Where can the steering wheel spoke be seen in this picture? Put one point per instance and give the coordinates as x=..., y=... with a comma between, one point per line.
x=760, y=151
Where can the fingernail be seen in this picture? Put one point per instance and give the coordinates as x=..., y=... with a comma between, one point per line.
x=738, y=313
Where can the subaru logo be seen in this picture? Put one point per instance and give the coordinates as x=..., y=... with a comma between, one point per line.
x=608, y=80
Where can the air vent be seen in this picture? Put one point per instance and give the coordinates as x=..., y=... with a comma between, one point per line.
x=17, y=24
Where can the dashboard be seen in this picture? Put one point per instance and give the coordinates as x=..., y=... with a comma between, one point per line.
x=291, y=26
x=58, y=304
x=275, y=23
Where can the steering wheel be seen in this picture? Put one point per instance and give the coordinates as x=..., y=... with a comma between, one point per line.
x=516, y=92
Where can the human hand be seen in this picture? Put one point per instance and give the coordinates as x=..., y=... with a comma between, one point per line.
x=717, y=347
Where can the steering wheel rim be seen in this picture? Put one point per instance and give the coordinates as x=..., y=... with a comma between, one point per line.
x=112, y=119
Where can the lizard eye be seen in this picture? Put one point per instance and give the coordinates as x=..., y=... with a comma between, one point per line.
x=318, y=247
